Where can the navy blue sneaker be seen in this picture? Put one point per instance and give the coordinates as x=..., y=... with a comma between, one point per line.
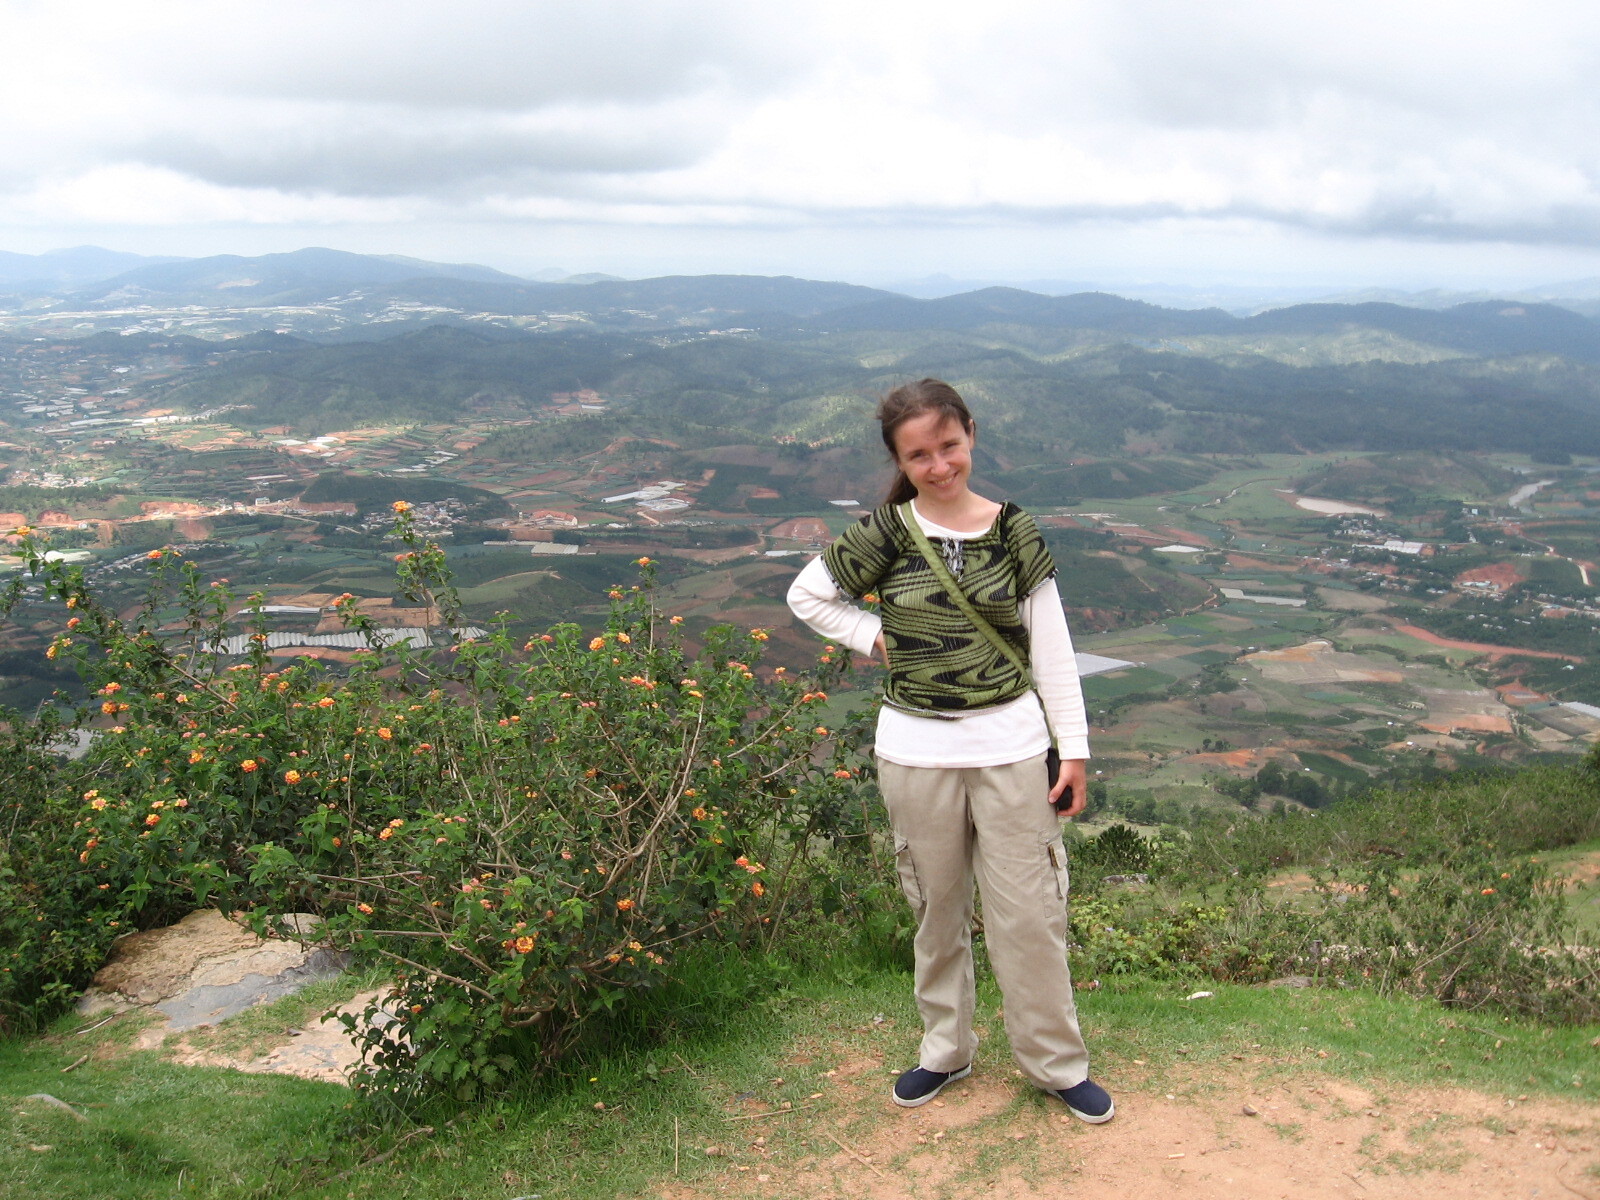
x=919, y=1085
x=1088, y=1101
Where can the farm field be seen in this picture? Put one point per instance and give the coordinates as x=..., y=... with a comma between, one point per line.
x=1340, y=644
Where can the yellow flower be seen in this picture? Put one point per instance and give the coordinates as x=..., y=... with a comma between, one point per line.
x=153, y=555
x=624, y=905
x=524, y=944
x=386, y=733
x=385, y=834
x=624, y=638
x=642, y=562
x=758, y=889
x=400, y=506
x=248, y=765
x=195, y=756
x=365, y=908
x=153, y=819
x=98, y=803
x=598, y=643
x=325, y=702
x=291, y=776
x=676, y=620
x=23, y=530
x=759, y=635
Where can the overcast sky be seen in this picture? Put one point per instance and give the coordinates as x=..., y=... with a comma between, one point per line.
x=1410, y=143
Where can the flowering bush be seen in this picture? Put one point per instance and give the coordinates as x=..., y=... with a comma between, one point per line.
x=525, y=833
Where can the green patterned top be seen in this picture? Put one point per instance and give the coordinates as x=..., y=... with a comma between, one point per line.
x=938, y=663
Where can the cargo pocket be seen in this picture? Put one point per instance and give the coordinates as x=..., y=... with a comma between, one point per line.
x=910, y=885
x=1055, y=856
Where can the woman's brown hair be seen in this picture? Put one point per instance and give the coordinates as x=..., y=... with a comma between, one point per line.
x=906, y=402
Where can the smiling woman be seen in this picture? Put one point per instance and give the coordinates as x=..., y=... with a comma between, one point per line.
x=982, y=686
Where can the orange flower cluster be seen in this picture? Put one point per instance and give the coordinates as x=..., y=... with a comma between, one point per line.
x=624, y=905
x=249, y=765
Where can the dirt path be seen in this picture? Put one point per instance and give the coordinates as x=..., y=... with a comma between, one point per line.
x=1433, y=639
x=1216, y=1137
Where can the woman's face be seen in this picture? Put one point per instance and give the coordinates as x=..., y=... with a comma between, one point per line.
x=935, y=452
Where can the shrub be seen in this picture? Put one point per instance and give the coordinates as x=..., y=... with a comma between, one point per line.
x=526, y=834
x=1468, y=931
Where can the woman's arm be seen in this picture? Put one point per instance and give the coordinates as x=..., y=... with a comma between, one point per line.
x=817, y=600
x=1055, y=670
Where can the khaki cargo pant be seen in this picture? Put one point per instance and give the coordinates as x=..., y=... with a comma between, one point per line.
x=994, y=826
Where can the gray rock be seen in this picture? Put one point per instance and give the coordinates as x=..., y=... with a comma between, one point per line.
x=206, y=968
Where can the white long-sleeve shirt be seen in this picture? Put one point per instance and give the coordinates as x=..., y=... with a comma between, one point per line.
x=985, y=737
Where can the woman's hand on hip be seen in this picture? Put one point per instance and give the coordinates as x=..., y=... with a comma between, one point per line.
x=1074, y=779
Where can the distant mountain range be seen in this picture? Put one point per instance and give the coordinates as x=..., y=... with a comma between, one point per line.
x=91, y=277
x=1485, y=328
x=67, y=270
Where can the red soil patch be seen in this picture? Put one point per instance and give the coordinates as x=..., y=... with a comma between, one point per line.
x=1240, y=760
x=803, y=529
x=1183, y=537
x=171, y=508
x=1501, y=575
x=1473, y=722
x=1433, y=639
x=1245, y=562
x=1516, y=694
x=1306, y=652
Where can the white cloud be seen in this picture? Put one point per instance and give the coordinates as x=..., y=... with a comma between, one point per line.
x=1431, y=121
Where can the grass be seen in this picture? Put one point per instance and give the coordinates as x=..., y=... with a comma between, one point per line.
x=737, y=1040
